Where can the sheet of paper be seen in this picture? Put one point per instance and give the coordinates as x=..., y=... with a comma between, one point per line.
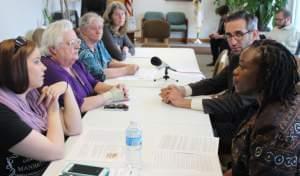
x=99, y=145
x=174, y=154
x=185, y=155
x=141, y=74
x=187, y=144
x=202, y=163
x=187, y=77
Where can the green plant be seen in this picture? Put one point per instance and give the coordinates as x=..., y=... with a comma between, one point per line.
x=263, y=9
x=46, y=15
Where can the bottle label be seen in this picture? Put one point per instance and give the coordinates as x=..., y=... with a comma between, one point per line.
x=134, y=141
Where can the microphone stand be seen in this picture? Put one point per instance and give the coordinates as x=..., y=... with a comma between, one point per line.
x=166, y=75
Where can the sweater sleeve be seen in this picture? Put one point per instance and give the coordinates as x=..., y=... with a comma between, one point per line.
x=129, y=44
x=91, y=65
x=113, y=49
x=211, y=85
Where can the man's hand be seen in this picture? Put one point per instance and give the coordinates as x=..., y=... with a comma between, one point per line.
x=171, y=88
x=174, y=95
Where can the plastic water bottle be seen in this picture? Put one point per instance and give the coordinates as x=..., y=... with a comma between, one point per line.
x=134, y=145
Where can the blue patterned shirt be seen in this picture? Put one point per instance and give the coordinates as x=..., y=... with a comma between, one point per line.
x=268, y=143
x=95, y=61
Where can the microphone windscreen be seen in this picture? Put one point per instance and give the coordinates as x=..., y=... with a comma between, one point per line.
x=156, y=61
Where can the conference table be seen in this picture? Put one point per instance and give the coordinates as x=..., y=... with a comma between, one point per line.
x=176, y=141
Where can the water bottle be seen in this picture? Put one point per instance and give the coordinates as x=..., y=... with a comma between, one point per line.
x=134, y=145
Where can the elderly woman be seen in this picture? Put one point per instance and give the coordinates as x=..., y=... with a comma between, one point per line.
x=115, y=28
x=60, y=47
x=268, y=143
x=32, y=126
x=93, y=53
x=37, y=35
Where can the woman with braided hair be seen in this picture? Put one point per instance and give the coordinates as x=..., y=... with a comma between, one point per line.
x=268, y=143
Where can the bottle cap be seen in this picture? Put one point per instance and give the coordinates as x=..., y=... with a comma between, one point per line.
x=133, y=124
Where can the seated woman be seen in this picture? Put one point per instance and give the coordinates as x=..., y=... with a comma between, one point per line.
x=93, y=53
x=114, y=33
x=268, y=143
x=32, y=126
x=37, y=36
x=60, y=47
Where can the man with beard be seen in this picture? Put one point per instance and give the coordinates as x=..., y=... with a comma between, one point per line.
x=284, y=32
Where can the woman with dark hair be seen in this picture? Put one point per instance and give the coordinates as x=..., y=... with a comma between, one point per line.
x=217, y=40
x=114, y=32
x=268, y=143
x=32, y=126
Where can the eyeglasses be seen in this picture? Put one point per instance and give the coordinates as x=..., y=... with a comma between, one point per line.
x=19, y=42
x=74, y=42
x=238, y=35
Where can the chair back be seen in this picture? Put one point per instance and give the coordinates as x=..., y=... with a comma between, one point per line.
x=152, y=15
x=221, y=62
x=97, y=6
x=176, y=18
x=297, y=53
x=156, y=29
x=178, y=23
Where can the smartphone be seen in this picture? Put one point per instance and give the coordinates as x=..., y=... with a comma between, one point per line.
x=116, y=107
x=74, y=169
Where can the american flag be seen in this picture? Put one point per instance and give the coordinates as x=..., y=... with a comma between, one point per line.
x=128, y=5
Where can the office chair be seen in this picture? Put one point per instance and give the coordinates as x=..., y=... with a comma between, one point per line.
x=97, y=6
x=178, y=23
x=221, y=62
x=156, y=29
x=297, y=53
x=153, y=15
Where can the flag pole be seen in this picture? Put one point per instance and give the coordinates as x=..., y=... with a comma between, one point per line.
x=198, y=17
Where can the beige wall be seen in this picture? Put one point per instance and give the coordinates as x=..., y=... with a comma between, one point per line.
x=27, y=15
x=17, y=17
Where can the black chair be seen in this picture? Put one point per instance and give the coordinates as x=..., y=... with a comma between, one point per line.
x=97, y=6
x=74, y=18
x=298, y=49
x=178, y=23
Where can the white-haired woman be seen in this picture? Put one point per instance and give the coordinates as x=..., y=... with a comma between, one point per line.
x=60, y=47
x=94, y=54
x=115, y=28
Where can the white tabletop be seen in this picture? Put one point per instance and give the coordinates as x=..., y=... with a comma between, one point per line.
x=158, y=121
x=181, y=59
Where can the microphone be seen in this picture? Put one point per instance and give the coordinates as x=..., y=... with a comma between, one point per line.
x=156, y=61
